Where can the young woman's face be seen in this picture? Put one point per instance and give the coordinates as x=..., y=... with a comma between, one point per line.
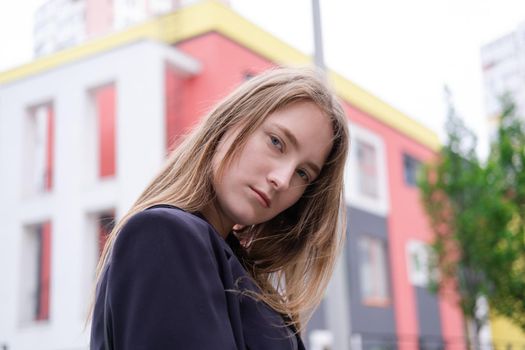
x=276, y=165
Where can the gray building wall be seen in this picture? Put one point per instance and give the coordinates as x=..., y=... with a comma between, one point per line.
x=375, y=325
x=318, y=320
x=429, y=319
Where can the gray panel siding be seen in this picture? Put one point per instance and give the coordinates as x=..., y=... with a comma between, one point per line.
x=429, y=319
x=318, y=320
x=375, y=324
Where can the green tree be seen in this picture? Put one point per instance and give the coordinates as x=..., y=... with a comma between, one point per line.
x=506, y=164
x=477, y=214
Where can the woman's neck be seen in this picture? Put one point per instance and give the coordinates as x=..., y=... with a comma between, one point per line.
x=217, y=219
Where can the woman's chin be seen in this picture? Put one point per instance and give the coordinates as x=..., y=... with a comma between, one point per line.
x=248, y=218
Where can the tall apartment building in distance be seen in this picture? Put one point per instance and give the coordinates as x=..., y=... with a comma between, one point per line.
x=60, y=24
x=503, y=64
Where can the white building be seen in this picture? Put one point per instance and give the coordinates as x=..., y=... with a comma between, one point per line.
x=65, y=120
x=503, y=64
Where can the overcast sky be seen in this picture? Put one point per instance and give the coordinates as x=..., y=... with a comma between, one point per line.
x=402, y=51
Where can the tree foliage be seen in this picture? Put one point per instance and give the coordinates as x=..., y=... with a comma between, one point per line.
x=477, y=212
x=507, y=163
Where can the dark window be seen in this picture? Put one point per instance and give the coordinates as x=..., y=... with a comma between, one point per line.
x=411, y=168
x=106, y=222
x=248, y=75
x=35, y=289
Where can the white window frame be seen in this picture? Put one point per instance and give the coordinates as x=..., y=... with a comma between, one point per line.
x=416, y=249
x=353, y=195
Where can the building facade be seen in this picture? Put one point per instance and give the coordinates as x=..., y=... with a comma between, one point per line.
x=503, y=65
x=83, y=131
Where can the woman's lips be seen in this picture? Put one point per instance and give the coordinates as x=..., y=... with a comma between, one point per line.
x=263, y=198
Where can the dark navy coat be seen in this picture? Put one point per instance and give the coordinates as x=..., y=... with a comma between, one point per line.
x=167, y=284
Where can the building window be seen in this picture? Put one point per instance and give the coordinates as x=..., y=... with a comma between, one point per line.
x=174, y=100
x=367, y=169
x=98, y=226
x=103, y=129
x=248, y=75
x=104, y=100
x=419, y=270
x=105, y=223
x=372, y=271
x=366, y=185
x=36, y=272
x=39, y=149
x=411, y=167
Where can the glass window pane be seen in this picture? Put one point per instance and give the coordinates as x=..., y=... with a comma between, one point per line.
x=367, y=169
x=373, y=275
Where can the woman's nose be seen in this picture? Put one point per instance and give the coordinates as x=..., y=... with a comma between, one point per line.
x=281, y=177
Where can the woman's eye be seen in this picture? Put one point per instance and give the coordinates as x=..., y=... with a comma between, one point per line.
x=276, y=142
x=304, y=175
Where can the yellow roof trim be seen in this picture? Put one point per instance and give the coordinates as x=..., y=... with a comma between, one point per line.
x=210, y=15
x=214, y=16
x=383, y=112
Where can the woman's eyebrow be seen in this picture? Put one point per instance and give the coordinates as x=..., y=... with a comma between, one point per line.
x=288, y=134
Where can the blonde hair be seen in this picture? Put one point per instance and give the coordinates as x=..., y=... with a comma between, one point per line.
x=291, y=257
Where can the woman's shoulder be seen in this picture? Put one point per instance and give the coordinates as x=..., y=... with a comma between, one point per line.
x=170, y=214
x=168, y=224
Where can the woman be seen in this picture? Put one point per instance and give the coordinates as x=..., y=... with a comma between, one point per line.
x=232, y=244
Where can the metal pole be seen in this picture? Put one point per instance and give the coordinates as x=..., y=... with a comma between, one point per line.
x=318, y=36
x=337, y=300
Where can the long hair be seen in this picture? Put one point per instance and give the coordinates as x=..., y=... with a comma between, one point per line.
x=290, y=257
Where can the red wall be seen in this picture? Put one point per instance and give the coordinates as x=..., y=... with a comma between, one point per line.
x=42, y=312
x=105, y=107
x=174, y=103
x=224, y=65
